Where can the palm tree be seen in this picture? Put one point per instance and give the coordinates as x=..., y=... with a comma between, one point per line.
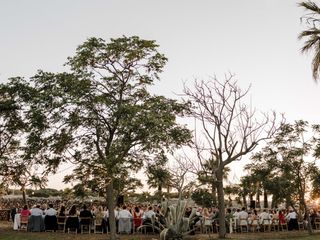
x=312, y=34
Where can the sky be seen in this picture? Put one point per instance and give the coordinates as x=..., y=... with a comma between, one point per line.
x=255, y=40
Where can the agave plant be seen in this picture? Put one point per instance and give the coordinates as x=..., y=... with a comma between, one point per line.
x=176, y=225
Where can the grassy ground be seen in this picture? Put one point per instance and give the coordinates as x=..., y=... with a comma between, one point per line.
x=6, y=233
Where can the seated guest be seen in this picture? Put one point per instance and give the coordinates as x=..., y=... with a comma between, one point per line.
x=148, y=215
x=124, y=224
x=264, y=217
x=62, y=211
x=243, y=215
x=73, y=211
x=72, y=220
x=137, y=217
x=36, y=211
x=36, y=223
x=292, y=218
x=85, y=213
x=25, y=211
x=50, y=220
x=50, y=211
x=282, y=218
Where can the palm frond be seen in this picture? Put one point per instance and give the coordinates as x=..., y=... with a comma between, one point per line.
x=316, y=63
x=310, y=43
x=311, y=31
x=311, y=6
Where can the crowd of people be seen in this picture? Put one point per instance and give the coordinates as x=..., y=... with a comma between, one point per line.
x=130, y=218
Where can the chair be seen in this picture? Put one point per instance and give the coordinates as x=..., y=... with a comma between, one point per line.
x=85, y=224
x=137, y=222
x=265, y=225
x=61, y=221
x=275, y=225
x=207, y=226
x=301, y=225
x=147, y=225
x=24, y=222
x=283, y=226
x=50, y=223
x=124, y=225
x=72, y=224
x=254, y=226
x=97, y=223
x=36, y=223
x=317, y=223
x=243, y=223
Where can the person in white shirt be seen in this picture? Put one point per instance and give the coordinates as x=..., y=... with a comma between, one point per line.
x=36, y=211
x=124, y=213
x=292, y=217
x=124, y=224
x=50, y=211
x=243, y=215
x=264, y=217
x=236, y=217
x=148, y=215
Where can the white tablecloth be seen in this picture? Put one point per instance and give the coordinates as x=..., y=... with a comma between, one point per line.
x=16, y=223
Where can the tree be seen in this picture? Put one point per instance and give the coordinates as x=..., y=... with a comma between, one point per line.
x=230, y=128
x=101, y=115
x=293, y=151
x=158, y=174
x=21, y=158
x=312, y=34
x=207, y=176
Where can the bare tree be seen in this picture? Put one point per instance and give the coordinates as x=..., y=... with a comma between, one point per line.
x=229, y=128
x=183, y=178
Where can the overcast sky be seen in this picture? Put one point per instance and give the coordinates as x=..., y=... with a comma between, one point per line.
x=254, y=39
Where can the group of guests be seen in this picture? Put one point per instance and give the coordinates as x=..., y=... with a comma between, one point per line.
x=257, y=218
x=128, y=218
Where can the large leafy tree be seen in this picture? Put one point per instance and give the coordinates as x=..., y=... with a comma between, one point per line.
x=294, y=149
x=101, y=115
x=289, y=158
x=229, y=128
x=312, y=34
x=21, y=158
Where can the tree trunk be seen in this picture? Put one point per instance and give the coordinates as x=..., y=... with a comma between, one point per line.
x=306, y=212
x=214, y=193
x=111, y=207
x=258, y=199
x=221, y=206
x=244, y=200
x=265, y=199
x=24, y=197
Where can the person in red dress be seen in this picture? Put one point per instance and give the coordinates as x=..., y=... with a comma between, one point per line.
x=137, y=217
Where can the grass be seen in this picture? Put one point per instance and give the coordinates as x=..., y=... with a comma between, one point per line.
x=6, y=233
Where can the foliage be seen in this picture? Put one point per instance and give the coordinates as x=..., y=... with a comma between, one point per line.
x=312, y=34
x=101, y=115
x=176, y=224
x=21, y=158
x=202, y=197
x=158, y=175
